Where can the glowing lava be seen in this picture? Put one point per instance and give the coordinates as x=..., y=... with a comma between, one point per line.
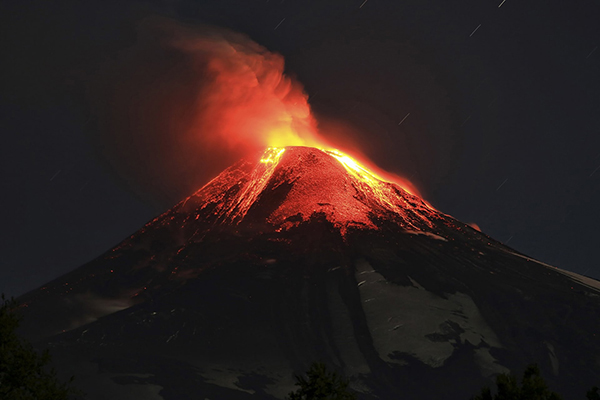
x=373, y=181
x=272, y=155
x=285, y=186
x=226, y=98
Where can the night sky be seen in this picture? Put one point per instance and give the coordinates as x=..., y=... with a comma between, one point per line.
x=491, y=108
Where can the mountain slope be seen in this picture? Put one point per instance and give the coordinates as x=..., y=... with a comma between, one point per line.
x=302, y=255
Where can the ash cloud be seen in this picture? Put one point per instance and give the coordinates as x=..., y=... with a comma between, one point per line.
x=185, y=102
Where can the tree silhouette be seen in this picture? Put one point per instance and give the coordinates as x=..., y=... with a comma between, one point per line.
x=25, y=374
x=321, y=385
x=533, y=387
x=593, y=394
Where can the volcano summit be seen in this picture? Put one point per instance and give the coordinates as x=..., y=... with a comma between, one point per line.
x=290, y=185
x=300, y=255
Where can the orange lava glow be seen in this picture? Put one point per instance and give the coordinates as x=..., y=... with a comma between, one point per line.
x=272, y=155
x=223, y=98
x=474, y=226
x=364, y=174
x=376, y=183
x=249, y=103
x=314, y=181
x=368, y=173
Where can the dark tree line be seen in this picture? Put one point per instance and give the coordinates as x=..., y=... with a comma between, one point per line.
x=531, y=387
x=24, y=373
x=320, y=384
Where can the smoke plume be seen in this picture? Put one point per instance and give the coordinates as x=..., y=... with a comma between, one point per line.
x=183, y=103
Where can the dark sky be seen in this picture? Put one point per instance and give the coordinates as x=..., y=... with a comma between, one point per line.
x=491, y=108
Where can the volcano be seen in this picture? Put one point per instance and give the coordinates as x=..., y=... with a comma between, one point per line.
x=300, y=255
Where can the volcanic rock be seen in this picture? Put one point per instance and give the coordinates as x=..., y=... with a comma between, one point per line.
x=302, y=255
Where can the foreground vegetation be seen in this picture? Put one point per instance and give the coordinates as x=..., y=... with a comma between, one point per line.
x=532, y=387
x=319, y=384
x=322, y=385
x=25, y=374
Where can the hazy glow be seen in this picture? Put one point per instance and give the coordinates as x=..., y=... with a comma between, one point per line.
x=272, y=155
x=220, y=97
x=379, y=187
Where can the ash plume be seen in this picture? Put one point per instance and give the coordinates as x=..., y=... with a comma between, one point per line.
x=185, y=102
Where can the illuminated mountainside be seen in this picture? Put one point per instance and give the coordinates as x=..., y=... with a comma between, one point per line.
x=308, y=181
x=299, y=255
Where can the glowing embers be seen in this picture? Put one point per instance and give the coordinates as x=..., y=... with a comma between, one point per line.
x=377, y=187
x=272, y=155
x=357, y=170
x=314, y=181
x=256, y=184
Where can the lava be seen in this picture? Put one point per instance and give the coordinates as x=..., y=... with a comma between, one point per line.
x=284, y=186
x=377, y=185
x=257, y=183
x=272, y=155
x=220, y=97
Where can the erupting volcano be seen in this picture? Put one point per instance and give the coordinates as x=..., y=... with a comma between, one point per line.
x=300, y=254
x=309, y=181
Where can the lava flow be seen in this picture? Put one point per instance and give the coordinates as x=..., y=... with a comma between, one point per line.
x=226, y=98
x=288, y=185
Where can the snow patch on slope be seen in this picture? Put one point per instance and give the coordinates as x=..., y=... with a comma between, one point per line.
x=100, y=386
x=92, y=307
x=227, y=378
x=411, y=320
